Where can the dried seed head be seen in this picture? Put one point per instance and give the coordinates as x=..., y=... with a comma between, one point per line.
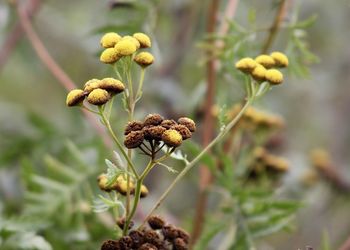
x=265, y=60
x=170, y=232
x=112, y=85
x=98, y=97
x=246, y=65
x=110, y=245
x=110, y=39
x=172, y=138
x=180, y=244
x=281, y=60
x=125, y=48
x=274, y=76
x=133, y=126
x=148, y=246
x=134, y=139
x=183, y=130
x=156, y=222
x=137, y=238
x=259, y=73
x=167, y=124
x=153, y=132
x=144, y=191
x=183, y=235
x=144, y=59
x=121, y=223
x=153, y=119
x=144, y=40
x=152, y=237
x=188, y=122
x=125, y=242
x=75, y=97
x=91, y=85
x=109, y=56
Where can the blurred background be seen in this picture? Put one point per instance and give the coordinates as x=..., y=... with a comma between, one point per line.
x=37, y=128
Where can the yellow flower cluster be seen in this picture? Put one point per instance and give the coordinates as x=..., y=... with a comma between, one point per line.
x=254, y=118
x=96, y=92
x=265, y=161
x=120, y=185
x=261, y=68
x=117, y=47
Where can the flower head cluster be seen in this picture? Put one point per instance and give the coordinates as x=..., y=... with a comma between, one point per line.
x=156, y=129
x=262, y=67
x=117, y=47
x=159, y=235
x=96, y=92
x=120, y=185
x=267, y=162
x=254, y=118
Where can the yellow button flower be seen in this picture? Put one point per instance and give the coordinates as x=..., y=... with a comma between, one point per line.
x=133, y=40
x=98, y=97
x=109, y=56
x=144, y=59
x=246, y=65
x=266, y=61
x=75, y=97
x=113, y=86
x=259, y=73
x=281, y=59
x=274, y=76
x=91, y=85
x=110, y=39
x=144, y=40
x=172, y=138
x=125, y=48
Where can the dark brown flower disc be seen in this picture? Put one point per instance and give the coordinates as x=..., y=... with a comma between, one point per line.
x=148, y=246
x=153, y=132
x=153, y=119
x=156, y=222
x=167, y=124
x=110, y=245
x=180, y=244
x=183, y=130
x=133, y=126
x=134, y=139
x=189, y=123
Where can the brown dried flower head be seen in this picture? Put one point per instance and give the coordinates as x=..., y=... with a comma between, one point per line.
x=183, y=130
x=189, y=123
x=153, y=119
x=133, y=126
x=156, y=222
x=134, y=139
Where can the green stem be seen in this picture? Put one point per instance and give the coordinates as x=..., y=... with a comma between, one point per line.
x=137, y=195
x=119, y=145
x=139, y=90
x=190, y=165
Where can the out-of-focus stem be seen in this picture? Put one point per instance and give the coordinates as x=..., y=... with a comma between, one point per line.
x=275, y=26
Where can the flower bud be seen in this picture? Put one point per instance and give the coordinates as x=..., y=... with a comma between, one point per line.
x=125, y=48
x=259, y=73
x=112, y=85
x=91, y=85
x=281, y=60
x=246, y=65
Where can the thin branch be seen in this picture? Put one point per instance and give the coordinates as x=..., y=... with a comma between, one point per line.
x=54, y=68
x=281, y=12
x=16, y=33
x=346, y=245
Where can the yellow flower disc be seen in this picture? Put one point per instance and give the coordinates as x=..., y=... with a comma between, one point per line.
x=109, y=56
x=246, y=65
x=110, y=39
x=144, y=59
x=75, y=97
x=125, y=47
x=91, y=85
x=281, y=59
x=172, y=138
x=259, y=73
x=266, y=61
x=144, y=40
x=274, y=76
x=113, y=86
x=98, y=97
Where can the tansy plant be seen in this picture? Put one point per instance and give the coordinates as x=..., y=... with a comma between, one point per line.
x=155, y=136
